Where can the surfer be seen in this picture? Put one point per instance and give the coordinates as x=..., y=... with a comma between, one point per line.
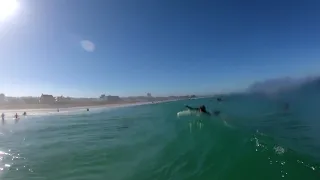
x=16, y=116
x=24, y=113
x=2, y=116
x=202, y=109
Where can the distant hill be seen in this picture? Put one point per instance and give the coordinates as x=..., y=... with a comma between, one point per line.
x=279, y=84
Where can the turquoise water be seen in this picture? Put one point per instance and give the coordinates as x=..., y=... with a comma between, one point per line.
x=255, y=138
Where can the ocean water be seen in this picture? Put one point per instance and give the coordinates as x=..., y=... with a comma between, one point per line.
x=254, y=138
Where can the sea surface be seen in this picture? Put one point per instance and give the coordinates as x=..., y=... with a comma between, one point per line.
x=255, y=137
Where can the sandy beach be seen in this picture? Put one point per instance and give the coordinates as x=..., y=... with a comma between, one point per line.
x=41, y=109
x=37, y=109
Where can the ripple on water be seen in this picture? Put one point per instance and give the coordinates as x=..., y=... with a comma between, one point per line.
x=10, y=161
x=277, y=157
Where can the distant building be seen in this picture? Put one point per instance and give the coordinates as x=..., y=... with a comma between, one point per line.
x=113, y=98
x=110, y=98
x=62, y=99
x=149, y=97
x=103, y=97
x=47, y=99
x=30, y=100
x=2, y=98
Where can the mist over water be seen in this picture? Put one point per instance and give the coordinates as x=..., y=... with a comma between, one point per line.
x=255, y=137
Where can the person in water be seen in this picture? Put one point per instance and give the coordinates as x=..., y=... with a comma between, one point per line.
x=202, y=109
x=2, y=116
x=16, y=116
x=87, y=109
x=24, y=113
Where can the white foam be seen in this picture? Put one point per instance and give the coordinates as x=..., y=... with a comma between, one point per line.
x=187, y=113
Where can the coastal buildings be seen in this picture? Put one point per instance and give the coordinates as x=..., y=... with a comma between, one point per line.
x=113, y=98
x=61, y=99
x=149, y=97
x=30, y=100
x=102, y=97
x=47, y=99
x=2, y=98
x=110, y=98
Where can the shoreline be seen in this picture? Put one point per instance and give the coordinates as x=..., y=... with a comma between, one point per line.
x=75, y=105
x=42, y=109
x=46, y=107
x=52, y=110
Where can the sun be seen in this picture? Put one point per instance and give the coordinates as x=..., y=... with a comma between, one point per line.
x=7, y=8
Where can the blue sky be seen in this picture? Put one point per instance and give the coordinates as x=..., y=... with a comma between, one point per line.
x=164, y=47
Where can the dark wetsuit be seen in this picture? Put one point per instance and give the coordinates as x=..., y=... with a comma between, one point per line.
x=203, y=110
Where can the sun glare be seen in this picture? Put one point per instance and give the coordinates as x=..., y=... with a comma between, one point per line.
x=7, y=8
